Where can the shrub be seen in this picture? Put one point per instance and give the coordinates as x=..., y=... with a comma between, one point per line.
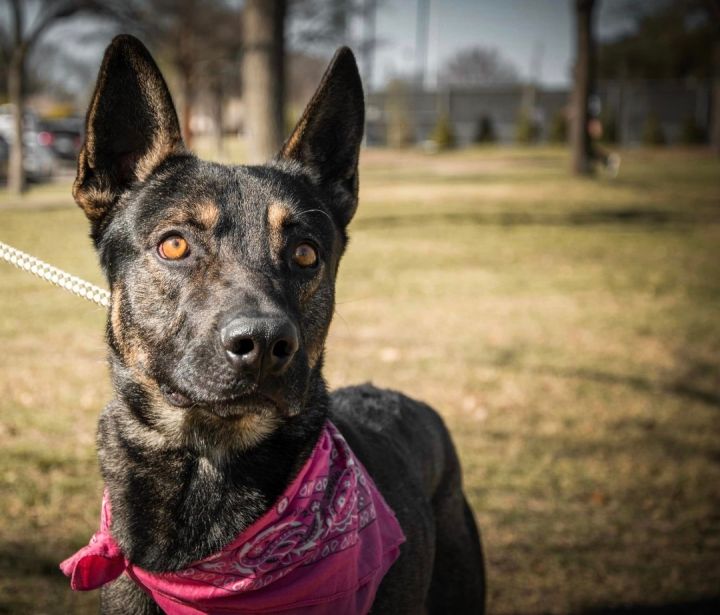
x=526, y=130
x=609, y=127
x=558, y=128
x=400, y=131
x=484, y=130
x=652, y=133
x=443, y=135
x=692, y=133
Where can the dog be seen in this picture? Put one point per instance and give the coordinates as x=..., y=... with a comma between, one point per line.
x=222, y=286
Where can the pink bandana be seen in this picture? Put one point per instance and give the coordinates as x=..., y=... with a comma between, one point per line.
x=323, y=548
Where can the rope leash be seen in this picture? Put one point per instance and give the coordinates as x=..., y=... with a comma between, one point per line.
x=56, y=276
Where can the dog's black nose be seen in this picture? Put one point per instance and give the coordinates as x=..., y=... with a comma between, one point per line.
x=261, y=345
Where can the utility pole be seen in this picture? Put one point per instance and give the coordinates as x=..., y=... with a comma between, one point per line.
x=422, y=32
x=368, y=43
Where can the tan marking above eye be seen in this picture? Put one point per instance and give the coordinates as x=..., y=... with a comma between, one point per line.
x=305, y=255
x=173, y=248
x=277, y=216
x=207, y=214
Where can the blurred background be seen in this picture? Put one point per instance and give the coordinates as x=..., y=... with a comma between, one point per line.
x=536, y=254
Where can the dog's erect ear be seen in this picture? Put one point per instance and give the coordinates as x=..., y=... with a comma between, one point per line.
x=327, y=138
x=131, y=127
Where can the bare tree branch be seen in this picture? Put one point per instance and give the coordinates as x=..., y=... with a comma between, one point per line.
x=478, y=66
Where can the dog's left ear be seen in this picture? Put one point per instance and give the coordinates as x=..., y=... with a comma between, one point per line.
x=327, y=138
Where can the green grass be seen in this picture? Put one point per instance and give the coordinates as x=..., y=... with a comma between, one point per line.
x=567, y=329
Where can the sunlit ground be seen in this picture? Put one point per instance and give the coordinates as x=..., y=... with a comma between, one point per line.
x=568, y=330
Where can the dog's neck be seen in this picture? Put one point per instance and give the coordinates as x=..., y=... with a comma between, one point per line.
x=173, y=503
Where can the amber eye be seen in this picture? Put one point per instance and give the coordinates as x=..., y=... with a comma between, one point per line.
x=173, y=248
x=305, y=255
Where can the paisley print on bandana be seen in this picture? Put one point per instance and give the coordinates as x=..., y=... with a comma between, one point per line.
x=323, y=547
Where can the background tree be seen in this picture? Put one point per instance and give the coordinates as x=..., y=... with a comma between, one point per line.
x=582, y=85
x=478, y=66
x=398, y=108
x=314, y=30
x=668, y=39
x=303, y=73
x=321, y=26
x=24, y=27
x=63, y=66
x=264, y=77
x=201, y=42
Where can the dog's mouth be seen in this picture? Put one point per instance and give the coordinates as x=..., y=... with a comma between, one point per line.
x=175, y=398
x=227, y=407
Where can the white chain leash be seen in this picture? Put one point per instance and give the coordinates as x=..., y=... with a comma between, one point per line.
x=54, y=275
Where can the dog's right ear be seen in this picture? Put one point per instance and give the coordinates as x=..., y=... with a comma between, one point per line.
x=131, y=128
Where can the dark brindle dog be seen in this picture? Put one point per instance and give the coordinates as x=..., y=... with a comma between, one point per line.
x=223, y=282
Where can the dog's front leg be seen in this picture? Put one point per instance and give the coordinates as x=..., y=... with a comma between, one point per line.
x=124, y=597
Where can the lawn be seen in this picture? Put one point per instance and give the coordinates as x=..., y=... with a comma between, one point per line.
x=568, y=330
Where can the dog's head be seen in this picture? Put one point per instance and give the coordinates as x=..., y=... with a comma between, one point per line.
x=222, y=277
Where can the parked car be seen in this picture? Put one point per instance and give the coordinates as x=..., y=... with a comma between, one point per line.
x=39, y=159
x=63, y=136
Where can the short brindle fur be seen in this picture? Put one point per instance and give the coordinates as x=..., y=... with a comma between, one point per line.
x=202, y=435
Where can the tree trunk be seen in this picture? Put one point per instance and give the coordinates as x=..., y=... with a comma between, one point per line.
x=583, y=77
x=264, y=77
x=16, y=77
x=715, y=98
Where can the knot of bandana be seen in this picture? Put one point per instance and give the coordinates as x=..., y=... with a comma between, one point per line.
x=100, y=562
x=323, y=547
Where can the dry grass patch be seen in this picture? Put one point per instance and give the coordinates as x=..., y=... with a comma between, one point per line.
x=566, y=329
